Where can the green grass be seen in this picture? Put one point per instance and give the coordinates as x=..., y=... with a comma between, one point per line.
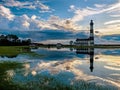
x=12, y=50
x=6, y=82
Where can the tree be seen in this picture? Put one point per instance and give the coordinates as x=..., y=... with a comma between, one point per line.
x=71, y=42
x=11, y=37
x=29, y=41
x=2, y=37
x=13, y=40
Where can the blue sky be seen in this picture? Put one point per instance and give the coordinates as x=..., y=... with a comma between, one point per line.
x=61, y=16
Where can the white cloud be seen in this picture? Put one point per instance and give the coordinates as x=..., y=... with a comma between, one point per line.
x=20, y=23
x=13, y=3
x=44, y=7
x=115, y=15
x=80, y=14
x=65, y=24
x=99, y=5
x=5, y=12
x=112, y=22
x=109, y=30
x=113, y=10
x=33, y=17
x=26, y=24
x=25, y=17
x=6, y=17
x=55, y=22
x=72, y=7
x=28, y=5
x=35, y=23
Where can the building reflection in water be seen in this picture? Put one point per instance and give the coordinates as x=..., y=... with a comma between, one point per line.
x=90, y=52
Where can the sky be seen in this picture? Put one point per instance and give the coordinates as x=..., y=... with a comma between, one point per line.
x=69, y=18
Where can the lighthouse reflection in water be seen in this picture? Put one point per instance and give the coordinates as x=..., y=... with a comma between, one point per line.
x=90, y=52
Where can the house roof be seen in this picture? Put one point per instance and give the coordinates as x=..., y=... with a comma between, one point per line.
x=82, y=39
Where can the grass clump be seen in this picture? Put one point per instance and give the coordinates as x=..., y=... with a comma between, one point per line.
x=7, y=69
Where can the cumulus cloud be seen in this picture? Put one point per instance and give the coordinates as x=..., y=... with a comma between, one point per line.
x=53, y=23
x=26, y=24
x=33, y=17
x=6, y=17
x=20, y=23
x=5, y=12
x=65, y=24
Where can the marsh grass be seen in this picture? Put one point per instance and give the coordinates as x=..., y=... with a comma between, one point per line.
x=6, y=82
x=52, y=83
x=13, y=50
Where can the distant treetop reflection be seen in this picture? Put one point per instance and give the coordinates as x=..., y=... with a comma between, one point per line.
x=9, y=56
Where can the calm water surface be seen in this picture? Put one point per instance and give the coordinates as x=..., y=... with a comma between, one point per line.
x=67, y=66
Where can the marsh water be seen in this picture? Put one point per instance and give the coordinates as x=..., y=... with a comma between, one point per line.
x=64, y=69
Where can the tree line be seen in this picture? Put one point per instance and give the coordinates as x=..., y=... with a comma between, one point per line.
x=13, y=40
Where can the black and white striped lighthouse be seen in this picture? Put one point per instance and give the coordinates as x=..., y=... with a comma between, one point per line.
x=91, y=33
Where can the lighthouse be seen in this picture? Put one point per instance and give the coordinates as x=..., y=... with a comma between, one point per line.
x=87, y=41
x=91, y=33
